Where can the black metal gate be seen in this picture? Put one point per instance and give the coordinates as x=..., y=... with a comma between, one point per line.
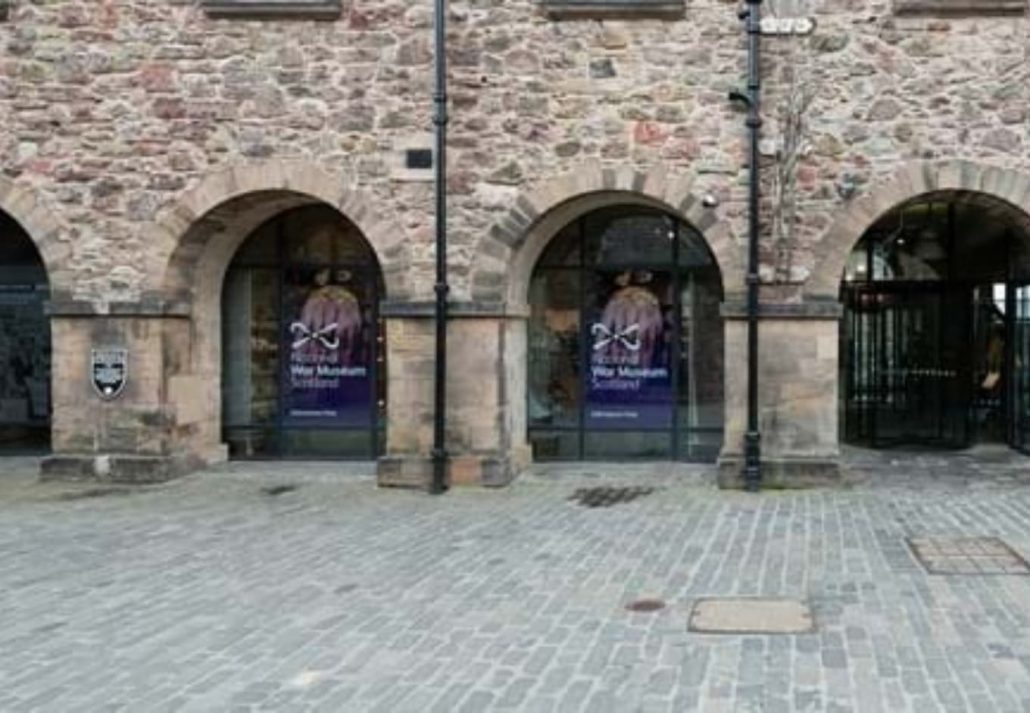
x=907, y=364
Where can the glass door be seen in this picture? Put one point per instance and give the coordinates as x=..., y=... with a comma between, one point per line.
x=1020, y=389
x=302, y=344
x=625, y=341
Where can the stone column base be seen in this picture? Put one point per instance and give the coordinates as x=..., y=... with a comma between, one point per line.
x=781, y=473
x=417, y=472
x=117, y=468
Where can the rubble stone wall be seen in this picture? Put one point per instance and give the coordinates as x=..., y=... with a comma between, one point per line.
x=112, y=110
x=134, y=130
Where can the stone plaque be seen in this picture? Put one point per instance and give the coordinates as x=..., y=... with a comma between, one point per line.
x=109, y=370
x=612, y=8
x=273, y=9
x=959, y=7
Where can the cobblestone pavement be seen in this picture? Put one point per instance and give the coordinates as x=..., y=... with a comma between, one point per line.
x=209, y=594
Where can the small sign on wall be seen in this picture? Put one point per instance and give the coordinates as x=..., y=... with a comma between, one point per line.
x=787, y=25
x=109, y=370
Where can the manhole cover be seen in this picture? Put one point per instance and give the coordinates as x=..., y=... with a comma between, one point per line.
x=967, y=555
x=645, y=605
x=606, y=496
x=274, y=490
x=751, y=616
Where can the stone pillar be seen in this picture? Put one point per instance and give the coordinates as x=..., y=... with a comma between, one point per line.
x=137, y=436
x=797, y=396
x=486, y=422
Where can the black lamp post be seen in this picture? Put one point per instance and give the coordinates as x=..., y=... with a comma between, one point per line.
x=752, y=15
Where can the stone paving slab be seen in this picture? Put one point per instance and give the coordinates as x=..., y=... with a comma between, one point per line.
x=206, y=594
x=751, y=615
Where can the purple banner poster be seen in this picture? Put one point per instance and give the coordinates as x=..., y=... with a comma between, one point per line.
x=328, y=348
x=629, y=383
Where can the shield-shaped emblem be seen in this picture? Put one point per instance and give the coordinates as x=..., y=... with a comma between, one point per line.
x=109, y=371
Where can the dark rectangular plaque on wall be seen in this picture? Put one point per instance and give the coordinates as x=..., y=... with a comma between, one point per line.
x=4, y=7
x=274, y=9
x=959, y=7
x=612, y=8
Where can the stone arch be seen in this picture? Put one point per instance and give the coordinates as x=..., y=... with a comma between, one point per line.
x=39, y=221
x=505, y=256
x=208, y=223
x=917, y=178
x=202, y=232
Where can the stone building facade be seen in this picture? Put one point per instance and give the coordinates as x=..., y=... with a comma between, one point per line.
x=144, y=141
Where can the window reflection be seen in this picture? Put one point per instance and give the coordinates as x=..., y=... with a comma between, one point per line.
x=303, y=354
x=25, y=402
x=626, y=341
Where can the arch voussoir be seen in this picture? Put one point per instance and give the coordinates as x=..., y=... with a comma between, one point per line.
x=909, y=181
x=508, y=249
x=32, y=212
x=281, y=183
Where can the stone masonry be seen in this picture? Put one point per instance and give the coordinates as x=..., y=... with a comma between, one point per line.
x=142, y=140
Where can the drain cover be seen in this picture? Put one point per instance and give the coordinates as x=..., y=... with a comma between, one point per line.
x=274, y=490
x=605, y=497
x=645, y=605
x=751, y=616
x=967, y=555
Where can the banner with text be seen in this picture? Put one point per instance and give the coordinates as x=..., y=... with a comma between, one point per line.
x=629, y=384
x=329, y=350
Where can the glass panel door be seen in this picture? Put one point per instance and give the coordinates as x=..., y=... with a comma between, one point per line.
x=625, y=341
x=24, y=361
x=630, y=337
x=302, y=343
x=1021, y=368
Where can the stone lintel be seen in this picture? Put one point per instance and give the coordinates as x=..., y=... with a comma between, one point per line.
x=274, y=9
x=59, y=307
x=455, y=310
x=810, y=309
x=593, y=9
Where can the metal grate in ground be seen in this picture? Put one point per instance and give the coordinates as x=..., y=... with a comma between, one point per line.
x=967, y=555
x=606, y=496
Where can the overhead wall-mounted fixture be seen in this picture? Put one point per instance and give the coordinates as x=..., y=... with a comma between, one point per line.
x=846, y=186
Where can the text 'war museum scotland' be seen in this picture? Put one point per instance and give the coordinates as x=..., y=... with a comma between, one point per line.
x=457, y=238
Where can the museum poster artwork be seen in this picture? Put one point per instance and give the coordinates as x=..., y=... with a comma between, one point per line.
x=629, y=383
x=328, y=380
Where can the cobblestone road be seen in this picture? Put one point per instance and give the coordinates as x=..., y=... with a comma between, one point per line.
x=207, y=594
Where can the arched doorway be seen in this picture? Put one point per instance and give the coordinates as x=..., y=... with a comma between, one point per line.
x=625, y=341
x=302, y=347
x=25, y=404
x=935, y=340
